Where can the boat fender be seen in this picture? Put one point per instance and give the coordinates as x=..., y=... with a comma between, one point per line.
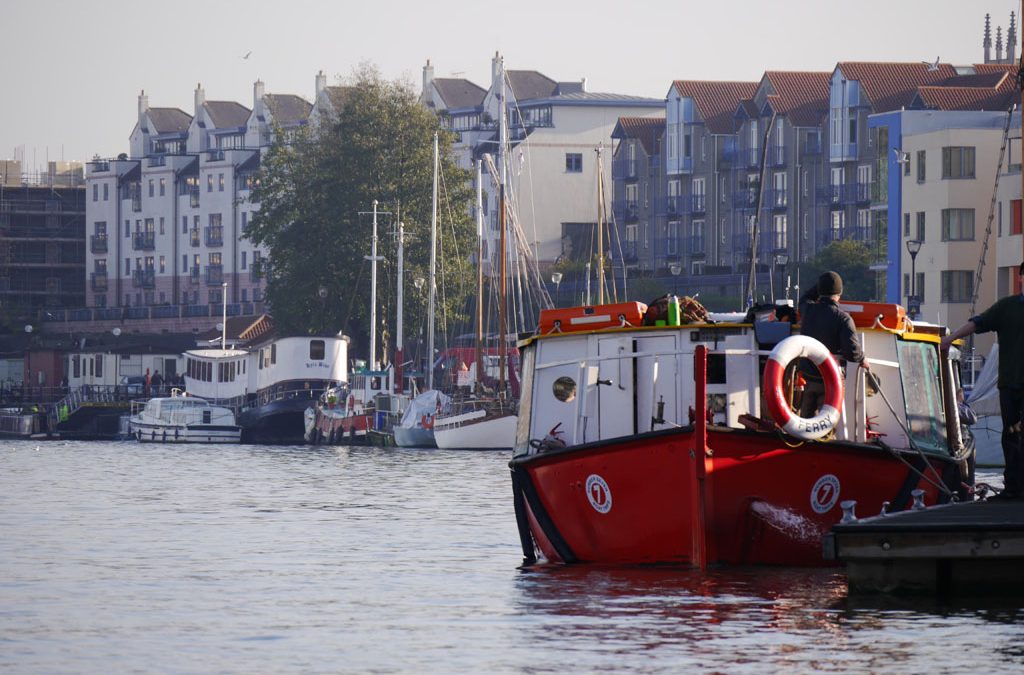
x=793, y=347
x=427, y=421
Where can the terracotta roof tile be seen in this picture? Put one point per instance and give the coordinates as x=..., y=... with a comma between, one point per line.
x=645, y=129
x=963, y=98
x=891, y=86
x=800, y=96
x=716, y=101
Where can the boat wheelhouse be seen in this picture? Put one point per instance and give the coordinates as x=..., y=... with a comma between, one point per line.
x=652, y=443
x=179, y=418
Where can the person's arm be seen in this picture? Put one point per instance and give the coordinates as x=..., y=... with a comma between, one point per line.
x=849, y=343
x=963, y=331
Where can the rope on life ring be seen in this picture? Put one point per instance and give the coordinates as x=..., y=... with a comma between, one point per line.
x=427, y=421
x=797, y=346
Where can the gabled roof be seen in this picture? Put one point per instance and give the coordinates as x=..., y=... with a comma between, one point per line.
x=169, y=120
x=749, y=108
x=529, y=84
x=645, y=129
x=716, y=101
x=288, y=108
x=891, y=86
x=963, y=98
x=226, y=114
x=800, y=96
x=457, y=92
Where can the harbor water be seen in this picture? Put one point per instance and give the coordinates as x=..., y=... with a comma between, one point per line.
x=125, y=557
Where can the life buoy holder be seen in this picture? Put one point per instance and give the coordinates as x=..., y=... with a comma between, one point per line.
x=427, y=421
x=808, y=429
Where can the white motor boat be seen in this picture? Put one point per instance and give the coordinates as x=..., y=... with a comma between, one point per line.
x=477, y=425
x=180, y=418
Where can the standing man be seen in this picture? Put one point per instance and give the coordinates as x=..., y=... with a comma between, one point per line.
x=823, y=320
x=1006, y=318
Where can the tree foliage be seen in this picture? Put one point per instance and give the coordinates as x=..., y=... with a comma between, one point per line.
x=852, y=260
x=315, y=191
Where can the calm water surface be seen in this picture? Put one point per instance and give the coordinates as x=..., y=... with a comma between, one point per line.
x=119, y=557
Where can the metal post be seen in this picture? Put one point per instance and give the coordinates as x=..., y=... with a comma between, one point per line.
x=224, y=315
x=399, y=340
x=373, y=292
x=433, y=284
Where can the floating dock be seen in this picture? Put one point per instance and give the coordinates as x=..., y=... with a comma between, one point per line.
x=971, y=548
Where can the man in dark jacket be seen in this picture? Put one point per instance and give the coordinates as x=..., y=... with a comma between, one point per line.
x=824, y=321
x=1006, y=318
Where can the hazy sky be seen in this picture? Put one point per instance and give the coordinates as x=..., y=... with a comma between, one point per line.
x=74, y=69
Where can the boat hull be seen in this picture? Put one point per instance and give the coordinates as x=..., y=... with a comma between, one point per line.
x=334, y=427
x=483, y=433
x=184, y=433
x=414, y=437
x=759, y=501
x=277, y=423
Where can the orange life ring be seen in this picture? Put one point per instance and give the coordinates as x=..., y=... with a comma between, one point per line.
x=793, y=347
x=427, y=421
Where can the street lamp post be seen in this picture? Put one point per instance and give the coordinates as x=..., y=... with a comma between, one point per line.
x=675, y=268
x=556, y=279
x=781, y=259
x=913, y=248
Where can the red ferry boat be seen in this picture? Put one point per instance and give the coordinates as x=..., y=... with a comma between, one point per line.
x=679, y=443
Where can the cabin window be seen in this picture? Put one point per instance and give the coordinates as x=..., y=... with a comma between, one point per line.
x=922, y=395
x=317, y=349
x=99, y=366
x=76, y=367
x=260, y=362
x=564, y=388
x=273, y=353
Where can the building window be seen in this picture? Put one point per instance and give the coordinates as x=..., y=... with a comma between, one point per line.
x=573, y=162
x=958, y=162
x=245, y=222
x=957, y=224
x=220, y=182
x=917, y=290
x=150, y=187
x=163, y=265
x=127, y=267
x=163, y=186
x=957, y=286
x=920, y=226
x=209, y=182
x=920, y=166
x=95, y=192
x=1015, y=225
x=184, y=224
x=106, y=192
x=243, y=260
x=184, y=262
x=906, y=224
x=161, y=224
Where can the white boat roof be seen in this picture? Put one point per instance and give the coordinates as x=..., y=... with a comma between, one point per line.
x=216, y=353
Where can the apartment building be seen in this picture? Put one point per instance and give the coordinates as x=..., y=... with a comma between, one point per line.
x=556, y=130
x=167, y=221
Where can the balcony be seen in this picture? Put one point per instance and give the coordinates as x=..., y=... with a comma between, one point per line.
x=98, y=281
x=98, y=243
x=776, y=156
x=144, y=278
x=215, y=235
x=776, y=199
x=193, y=237
x=625, y=169
x=743, y=158
x=669, y=206
x=143, y=241
x=697, y=204
x=843, y=195
x=744, y=198
x=627, y=210
x=214, y=275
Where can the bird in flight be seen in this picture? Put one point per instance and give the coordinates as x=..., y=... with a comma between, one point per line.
x=932, y=67
x=246, y=55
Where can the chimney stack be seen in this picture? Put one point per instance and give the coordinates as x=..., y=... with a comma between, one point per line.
x=495, y=66
x=143, y=104
x=321, y=83
x=428, y=77
x=200, y=98
x=257, y=97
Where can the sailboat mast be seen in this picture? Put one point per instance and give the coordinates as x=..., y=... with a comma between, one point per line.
x=479, y=278
x=433, y=276
x=399, y=338
x=600, y=232
x=502, y=300
x=373, y=291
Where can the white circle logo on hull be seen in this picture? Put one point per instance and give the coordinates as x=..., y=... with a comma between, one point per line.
x=825, y=493
x=599, y=494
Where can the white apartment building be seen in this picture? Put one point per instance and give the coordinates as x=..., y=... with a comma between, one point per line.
x=167, y=221
x=945, y=170
x=555, y=130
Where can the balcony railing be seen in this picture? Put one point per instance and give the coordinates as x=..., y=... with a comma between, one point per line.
x=144, y=278
x=841, y=195
x=214, y=275
x=98, y=243
x=627, y=210
x=143, y=241
x=215, y=235
x=697, y=203
x=776, y=199
x=669, y=206
x=744, y=198
x=624, y=169
x=776, y=156
x=99, y=281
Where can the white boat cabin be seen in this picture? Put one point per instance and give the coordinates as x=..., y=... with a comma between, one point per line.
x=595, y=385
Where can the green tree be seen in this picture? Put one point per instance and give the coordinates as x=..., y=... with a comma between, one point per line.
x=852, y=260
x=312, y=190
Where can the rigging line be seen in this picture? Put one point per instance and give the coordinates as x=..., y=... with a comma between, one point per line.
x=751, y=279
x=528, y=160
x=355, y=292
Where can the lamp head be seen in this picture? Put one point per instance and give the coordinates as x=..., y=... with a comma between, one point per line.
x=675, y=268
x=556, y=278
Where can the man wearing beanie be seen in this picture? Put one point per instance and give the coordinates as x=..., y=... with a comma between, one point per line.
x=1006, y=317
x=824, y=321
